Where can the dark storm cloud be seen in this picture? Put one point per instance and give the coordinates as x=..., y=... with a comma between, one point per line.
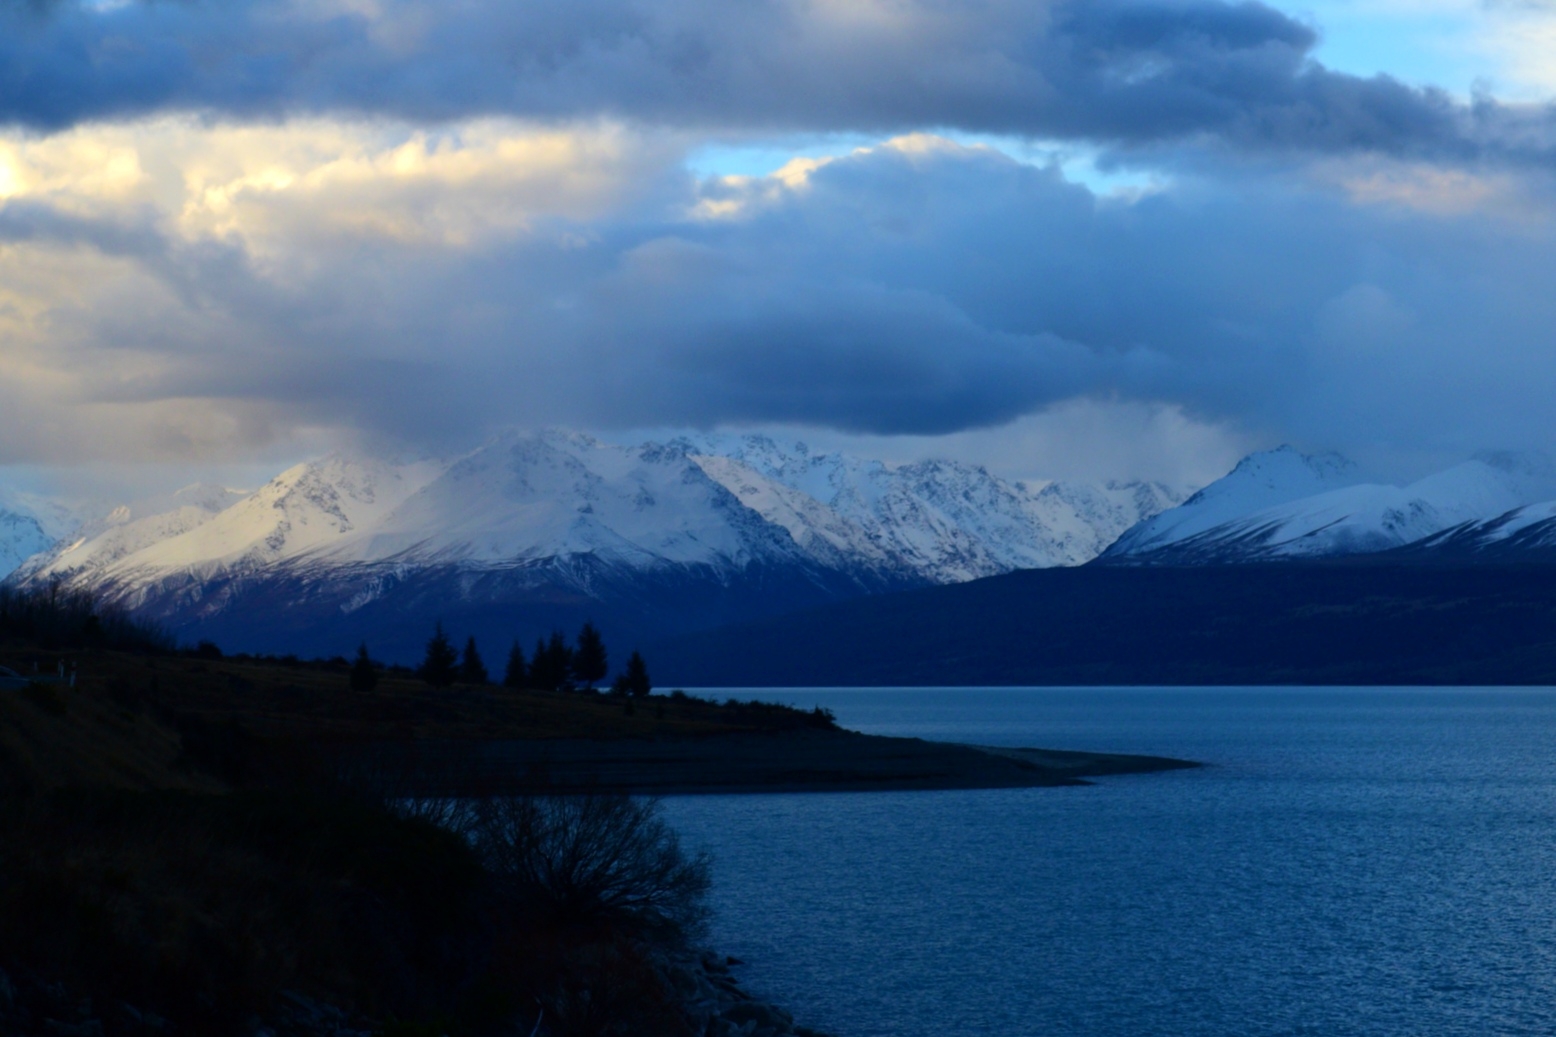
x=918, y=288
x=925, y=291
x=1120, y=72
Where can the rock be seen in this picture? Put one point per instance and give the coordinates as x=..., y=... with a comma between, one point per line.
x=90, y=1028
x=712, y=1000
x=763, y=1015
x=119, y=1017
x=300, y=1016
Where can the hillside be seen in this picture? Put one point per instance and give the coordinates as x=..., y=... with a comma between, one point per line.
x=1364, y=621
x=190, y=846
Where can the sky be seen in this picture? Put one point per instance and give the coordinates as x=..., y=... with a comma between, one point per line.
x=1105, y=239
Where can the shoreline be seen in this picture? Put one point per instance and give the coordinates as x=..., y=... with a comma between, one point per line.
x=743, y=763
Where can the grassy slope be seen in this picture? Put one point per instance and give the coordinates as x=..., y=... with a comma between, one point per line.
x=56, y=738
x=135, y=871
x=171, y=722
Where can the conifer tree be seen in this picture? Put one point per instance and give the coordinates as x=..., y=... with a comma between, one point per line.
x=471, y=669
x=364, y=676
x=589, y=659
x=517, y=673
x=537, y=666
x=438, y=668
x=636, y=677
x=559, y=662
x=552, y=665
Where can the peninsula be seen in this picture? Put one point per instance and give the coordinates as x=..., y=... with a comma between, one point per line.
x=144, y=721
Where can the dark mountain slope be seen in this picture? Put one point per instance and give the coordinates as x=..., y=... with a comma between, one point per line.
x=1358, y=622
x=393, y=613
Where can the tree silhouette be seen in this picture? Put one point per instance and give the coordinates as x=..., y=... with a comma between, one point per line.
x=364, y=676
x=438, y=667
x=589, y=658
x=636, y=678
x=517, y=674
x=552, y=665
x=471, y=669
x=538, y=665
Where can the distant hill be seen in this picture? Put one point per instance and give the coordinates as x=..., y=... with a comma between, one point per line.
x=1339, y=622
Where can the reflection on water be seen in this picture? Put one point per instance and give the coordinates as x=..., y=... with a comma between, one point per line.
x=1356, y=861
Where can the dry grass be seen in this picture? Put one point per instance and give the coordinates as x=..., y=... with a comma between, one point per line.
x=277, y=699
x=59, y=738
x=176, y=722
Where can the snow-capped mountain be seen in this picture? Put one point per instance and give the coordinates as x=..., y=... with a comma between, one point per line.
x=21, y=536
x=1263, y=480
x=514, y=501
x=1267, y=509
x=96, y=544
x=945, y=521
x=526, y=498
x=30, y=524
x=523, y=498
x=562, y=517
x=1522, y=534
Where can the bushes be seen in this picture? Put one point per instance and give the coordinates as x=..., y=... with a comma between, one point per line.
x=204, y=909
x=56, y=619
x=589, y=886
x=596, y=863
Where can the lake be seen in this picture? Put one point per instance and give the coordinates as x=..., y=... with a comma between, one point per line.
x=1354, y=861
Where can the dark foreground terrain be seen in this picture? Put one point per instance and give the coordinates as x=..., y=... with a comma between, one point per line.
x=196, y=847
x=197, y=724
x=1364, y=621
x=209, y=846
x=795, y=761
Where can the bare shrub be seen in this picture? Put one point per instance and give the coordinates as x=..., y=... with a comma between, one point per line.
x=598, y=861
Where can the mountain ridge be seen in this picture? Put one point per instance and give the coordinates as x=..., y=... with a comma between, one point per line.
x=593, y=527
x=1281, y=505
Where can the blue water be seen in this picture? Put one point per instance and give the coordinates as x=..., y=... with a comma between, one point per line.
x=1356, y=861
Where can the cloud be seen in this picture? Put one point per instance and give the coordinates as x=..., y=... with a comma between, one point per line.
x=1123, y=73
x=1082, y=439
x=251, y=287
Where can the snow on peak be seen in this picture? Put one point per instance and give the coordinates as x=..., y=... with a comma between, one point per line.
x=124, y=529
x=1261, y=480
x=1245, y=526
x=1528, y=528
x=201, y=526
x=30, y=525
x=724, y=502
x=532, y=496
x=21, y=537
x=939, y=520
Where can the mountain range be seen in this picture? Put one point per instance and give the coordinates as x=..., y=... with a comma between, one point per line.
x=1281, y=505
x=532, y=530
x=537, y=530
